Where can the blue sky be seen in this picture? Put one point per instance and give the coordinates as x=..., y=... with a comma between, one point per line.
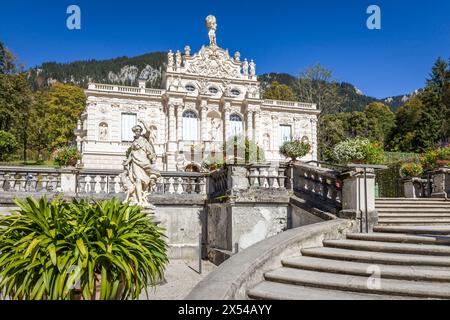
x=282, y=35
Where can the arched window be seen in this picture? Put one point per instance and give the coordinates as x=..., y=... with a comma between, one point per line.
x=236, y=125
x=190, y=126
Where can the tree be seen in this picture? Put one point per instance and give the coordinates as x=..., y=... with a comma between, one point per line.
x=331, y=131
x=16, y=100
x=8, y=145
x=315, y=85
x=8, y=61
x=61, y=107
x=381, y=121
x=277, y=91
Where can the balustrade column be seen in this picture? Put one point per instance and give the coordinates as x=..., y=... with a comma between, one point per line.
x=179, y=123
x=172, y=122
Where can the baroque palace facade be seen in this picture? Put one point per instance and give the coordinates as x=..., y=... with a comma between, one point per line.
x=206, y=98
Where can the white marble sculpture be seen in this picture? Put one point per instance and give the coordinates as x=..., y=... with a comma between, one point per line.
x=140, y=175
x=252, y=68
x=245, y=67
x=178, y=59
x=170, y=62
x=211, y=24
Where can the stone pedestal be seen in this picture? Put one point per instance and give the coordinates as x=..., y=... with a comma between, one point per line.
x=354, y=205
x=441, y=183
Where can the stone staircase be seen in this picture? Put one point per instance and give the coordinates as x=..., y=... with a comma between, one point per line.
x=406, y=257
x=410, y=212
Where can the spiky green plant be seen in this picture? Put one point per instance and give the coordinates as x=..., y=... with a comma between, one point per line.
x=84, y=249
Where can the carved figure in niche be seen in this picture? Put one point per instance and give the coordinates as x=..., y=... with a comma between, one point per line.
x=153, y=134
x=266, y=141
x=103, y=131
x=215, y=129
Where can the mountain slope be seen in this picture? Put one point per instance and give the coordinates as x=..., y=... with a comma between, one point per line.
x=127, y=70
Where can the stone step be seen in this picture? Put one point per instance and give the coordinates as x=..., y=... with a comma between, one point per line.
x=366, y=269
x=413, y=205
x=400, y=238
x=443, y=220
x=412, y=200
x=359, y=284
x=411, y=210
x=413, y=215
x=422, y=249
x=417, y=230
x=413, y=222
x=377, y=257
x=268, y=290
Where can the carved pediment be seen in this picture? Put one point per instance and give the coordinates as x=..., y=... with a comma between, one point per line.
x=213, y=62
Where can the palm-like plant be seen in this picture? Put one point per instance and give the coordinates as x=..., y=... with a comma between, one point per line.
x=83, y=249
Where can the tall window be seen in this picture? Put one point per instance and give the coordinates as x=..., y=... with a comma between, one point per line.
x=128, y=122
x=236, y=125
x=190, y=126
x=285, y=133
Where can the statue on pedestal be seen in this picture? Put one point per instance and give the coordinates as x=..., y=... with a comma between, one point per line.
x=245, y=67
x=170, y=61
x=252, y=68
x=140, y=175
x=211, y=24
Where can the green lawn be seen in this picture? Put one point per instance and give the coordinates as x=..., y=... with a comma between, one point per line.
x=32, y=163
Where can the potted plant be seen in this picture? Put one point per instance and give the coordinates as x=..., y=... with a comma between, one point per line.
x=66, y=156
x=411, y=170
x=79, y=250
x=436, y=158
x=295, y=149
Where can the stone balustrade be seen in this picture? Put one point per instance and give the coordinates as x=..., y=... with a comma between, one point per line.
x=92, y=182
x=290, y=104
x=322, y=183
x=125, y=89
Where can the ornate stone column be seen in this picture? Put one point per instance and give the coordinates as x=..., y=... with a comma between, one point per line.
x=204, y=123
x=171, y=123
x=314, y=144
x=257, y=133
x=179, y=123
x=250, y=125
x=226, y=121
x=275, y=135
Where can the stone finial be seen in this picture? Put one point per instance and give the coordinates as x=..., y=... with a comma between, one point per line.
x=245, y=67
x=187, y=51
x=237, y=56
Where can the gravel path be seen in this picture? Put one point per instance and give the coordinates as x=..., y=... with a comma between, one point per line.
x=180, y=279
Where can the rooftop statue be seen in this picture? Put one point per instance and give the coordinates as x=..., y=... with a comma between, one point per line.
x=140, y=175
x=211, y=24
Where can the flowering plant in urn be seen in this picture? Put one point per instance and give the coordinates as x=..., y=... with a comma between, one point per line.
x=295, y=149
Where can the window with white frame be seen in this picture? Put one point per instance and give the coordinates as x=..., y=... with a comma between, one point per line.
x=285, y=133
x=236, y=125
x=128, y=122
x=190, y=126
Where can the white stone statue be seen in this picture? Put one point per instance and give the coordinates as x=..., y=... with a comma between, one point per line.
x=211, y=24
x=245, y=67
x=170, y=60
x=178, y=59
x=237, y=56
x=140, y=175
x=215, y=126
x=187, y=51
x=103, y=131
x=252, y=68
